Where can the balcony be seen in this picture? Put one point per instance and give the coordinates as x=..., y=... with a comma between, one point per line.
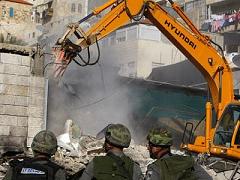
x=213, y=1
x=228, y=22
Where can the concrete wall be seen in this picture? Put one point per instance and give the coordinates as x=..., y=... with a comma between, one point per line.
x=22, y=98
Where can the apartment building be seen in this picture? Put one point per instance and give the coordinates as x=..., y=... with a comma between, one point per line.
x=137, y=48
x=224, y=16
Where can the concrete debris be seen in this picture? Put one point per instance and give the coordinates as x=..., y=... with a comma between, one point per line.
x=139, y=154
x=3, y=169
x=70, y=138
x=16, y=49
x=88, y=148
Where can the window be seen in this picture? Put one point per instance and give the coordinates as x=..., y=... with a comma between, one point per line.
x=79, y=8
x=121, y=36
x=11, y=12
x=73, y=7
x=33, y=35
x=4, y=11
x=149, y=33
x=225, y=129
x=132, y=33
x=112, y=40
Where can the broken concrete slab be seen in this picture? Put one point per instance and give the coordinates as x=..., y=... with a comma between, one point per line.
x=16, y=49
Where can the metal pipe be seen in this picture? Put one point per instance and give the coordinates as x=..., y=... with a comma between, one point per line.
x=208, y=125
x=220, y=85
x=85, y=18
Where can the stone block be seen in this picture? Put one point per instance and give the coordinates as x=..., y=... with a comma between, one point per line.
x=1, y=68
x=4, y=130
x=15, y=80
x=35, y=122
x=16, y=69
x=36, y=112
x=8, y=120
x=18, y=141
x=14, y=100
x=26, y=61
x=34, y=91
x=1, y=78
x=18, y=90
x=10, y=59
x=18, y=131
x=32, y=131
x=9, y=79
x=23, y=80
x=36, y=100
x=1, y=88
x=22, y=121
x=21, y=101
x=4, y=141
x=1, y=109
x=37, y=81
x=15, y=110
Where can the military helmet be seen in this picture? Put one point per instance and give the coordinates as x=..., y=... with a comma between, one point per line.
x=160, y=137
x=118, y=134
x=45, y=142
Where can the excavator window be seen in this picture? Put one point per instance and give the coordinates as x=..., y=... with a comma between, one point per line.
x=225, y=129
x=237, y=140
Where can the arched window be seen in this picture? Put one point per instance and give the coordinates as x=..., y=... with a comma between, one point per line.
x=73, y=8
x=79, y=8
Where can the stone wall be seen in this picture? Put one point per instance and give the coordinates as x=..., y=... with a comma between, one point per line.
x=21, y=101
x=21, y=12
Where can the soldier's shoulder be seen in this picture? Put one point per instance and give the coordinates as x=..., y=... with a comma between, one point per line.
x=153, y=166
x=55, y=165
x=18, y=161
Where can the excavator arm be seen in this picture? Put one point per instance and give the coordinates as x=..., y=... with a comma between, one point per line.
x=192, y=43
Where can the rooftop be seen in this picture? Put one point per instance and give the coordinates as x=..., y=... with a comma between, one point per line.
x=20, y=2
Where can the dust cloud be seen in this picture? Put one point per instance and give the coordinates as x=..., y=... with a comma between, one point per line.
x=92, y=97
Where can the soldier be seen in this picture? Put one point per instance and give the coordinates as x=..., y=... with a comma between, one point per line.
x=40, y=167
x=167, y=166
x=115, y=165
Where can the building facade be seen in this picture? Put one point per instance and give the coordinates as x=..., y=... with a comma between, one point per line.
x=16, y=21
x=219, y=17
x=138, y=48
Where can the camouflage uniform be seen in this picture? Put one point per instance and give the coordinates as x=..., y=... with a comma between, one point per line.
x=115, y=165
x=40, y=167
x=168, y=167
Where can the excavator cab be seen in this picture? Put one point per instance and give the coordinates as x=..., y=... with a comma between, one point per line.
x=227, y=132
x=223, y=140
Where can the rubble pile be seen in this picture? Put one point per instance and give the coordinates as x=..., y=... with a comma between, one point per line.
x=76, y=150
x=139, y=154
x=3, y=169
x=90, y=147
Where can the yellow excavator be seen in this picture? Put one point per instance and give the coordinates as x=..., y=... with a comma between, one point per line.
x=222, y=140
